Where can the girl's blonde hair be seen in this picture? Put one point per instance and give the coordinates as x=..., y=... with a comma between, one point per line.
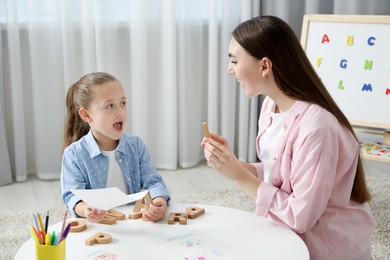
x=80, y=94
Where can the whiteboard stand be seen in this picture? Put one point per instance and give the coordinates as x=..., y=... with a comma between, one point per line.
x=350, y=54
x=387, y=138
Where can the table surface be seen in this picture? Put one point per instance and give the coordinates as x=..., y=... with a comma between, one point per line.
x=220, y=233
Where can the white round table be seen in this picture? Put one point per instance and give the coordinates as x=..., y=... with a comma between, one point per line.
x=220, y=233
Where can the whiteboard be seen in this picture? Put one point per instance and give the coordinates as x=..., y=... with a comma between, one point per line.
x=351, y=54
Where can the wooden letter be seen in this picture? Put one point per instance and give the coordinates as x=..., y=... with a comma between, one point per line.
x=194, y=212
x=141, y=202
x=107, y=220
x=99, y=238
x=135, y=215
x=206, y=129
x=77, y=225
x=116, y=214
x=180, y=217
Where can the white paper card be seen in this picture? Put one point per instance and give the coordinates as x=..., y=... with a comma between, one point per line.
x=106, y=198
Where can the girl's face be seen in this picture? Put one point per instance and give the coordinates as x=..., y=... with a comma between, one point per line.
x=245, y=68
x=107, y=114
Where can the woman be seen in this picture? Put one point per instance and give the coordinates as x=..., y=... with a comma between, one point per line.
x=310, y=178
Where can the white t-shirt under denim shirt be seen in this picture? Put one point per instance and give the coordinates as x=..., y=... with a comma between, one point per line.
x=115, y=177
x=270, y=141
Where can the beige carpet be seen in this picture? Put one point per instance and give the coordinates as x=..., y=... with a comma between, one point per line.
x=14, y=228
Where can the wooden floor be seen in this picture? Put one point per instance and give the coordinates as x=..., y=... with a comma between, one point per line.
x=37, y=194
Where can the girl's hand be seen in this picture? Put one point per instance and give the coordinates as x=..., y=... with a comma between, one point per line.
x=91, y=214
x=156, y=211
x=94, y=215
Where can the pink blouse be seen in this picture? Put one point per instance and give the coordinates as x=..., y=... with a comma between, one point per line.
x=312, y=173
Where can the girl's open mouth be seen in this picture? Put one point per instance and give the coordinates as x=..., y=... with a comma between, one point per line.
x=118, y=125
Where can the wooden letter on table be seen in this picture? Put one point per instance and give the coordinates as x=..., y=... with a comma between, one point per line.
x=107, y=220
x=142, y=202
x=116, y=214
x=135, y=215
x=176, y=216
x=111, y=217
x=194, y=212
x=77, y=225
x=100, y=238
x=139, y=205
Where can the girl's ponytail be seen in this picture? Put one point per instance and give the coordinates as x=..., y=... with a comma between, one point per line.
x=75, y=126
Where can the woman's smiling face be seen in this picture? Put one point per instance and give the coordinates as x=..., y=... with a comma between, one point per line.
x=245, y=68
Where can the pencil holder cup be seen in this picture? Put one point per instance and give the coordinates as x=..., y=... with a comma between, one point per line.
x=46, y=252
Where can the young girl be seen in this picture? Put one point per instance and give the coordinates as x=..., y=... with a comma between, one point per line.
x=97, y=154
x=310, y=178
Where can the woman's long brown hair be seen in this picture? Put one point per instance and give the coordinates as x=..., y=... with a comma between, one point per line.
x=270, y=36
x=80, y=94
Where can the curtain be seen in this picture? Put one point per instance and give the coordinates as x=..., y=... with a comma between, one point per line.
x=171, y=57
